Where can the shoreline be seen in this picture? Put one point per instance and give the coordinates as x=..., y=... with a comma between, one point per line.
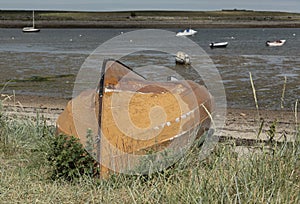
x=150, y=24
x=240, y=123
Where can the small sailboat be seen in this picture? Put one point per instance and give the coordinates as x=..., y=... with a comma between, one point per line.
x=31, y=29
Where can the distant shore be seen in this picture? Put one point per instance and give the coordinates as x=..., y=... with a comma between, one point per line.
x=151, y=19
x=148, y=24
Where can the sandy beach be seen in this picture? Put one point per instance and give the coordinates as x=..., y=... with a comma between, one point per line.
x=239, y=124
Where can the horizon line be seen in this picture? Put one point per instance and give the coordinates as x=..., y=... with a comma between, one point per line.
x=153, y=10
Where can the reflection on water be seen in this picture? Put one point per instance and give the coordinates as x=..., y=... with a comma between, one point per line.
x=46, y=63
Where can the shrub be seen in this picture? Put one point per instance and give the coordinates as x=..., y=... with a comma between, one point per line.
x=68, y=159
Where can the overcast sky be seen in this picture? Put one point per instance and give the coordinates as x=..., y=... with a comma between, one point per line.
x=118, y=5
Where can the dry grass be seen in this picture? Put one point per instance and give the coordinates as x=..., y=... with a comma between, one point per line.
x=268, y=175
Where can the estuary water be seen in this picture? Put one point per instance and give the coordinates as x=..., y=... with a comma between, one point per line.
x=46, y=63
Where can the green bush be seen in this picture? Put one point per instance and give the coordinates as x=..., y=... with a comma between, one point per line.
x=68, y=159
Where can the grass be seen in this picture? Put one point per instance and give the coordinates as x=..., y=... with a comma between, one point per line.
x=269, y=175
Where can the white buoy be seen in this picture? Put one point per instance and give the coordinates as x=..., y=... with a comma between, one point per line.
x=294, y=34
x=172, y=78
x=71, y=40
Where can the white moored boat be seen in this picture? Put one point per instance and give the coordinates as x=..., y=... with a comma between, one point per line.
x=186, y=32
x=275, y=43
x=182, y=58
x=218, y=44
x=31, y=29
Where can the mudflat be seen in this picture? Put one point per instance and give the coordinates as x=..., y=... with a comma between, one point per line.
x=240, y=123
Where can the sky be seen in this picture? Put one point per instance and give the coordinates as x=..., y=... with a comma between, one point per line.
x=121, y=5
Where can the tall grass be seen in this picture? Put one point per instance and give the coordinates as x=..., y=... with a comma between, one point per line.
x=261, y=176
x=283, y=92
x=254, y=93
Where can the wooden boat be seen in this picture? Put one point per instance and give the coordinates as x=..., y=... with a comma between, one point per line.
x=275, y=43
x=31, y=29
x=218, y=44
x=130, y=115
x=186, y=32
x=182, y=58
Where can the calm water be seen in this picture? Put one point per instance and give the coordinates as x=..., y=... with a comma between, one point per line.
x=46, y=63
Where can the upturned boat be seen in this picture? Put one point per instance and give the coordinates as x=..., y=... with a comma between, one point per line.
x=131, y=116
